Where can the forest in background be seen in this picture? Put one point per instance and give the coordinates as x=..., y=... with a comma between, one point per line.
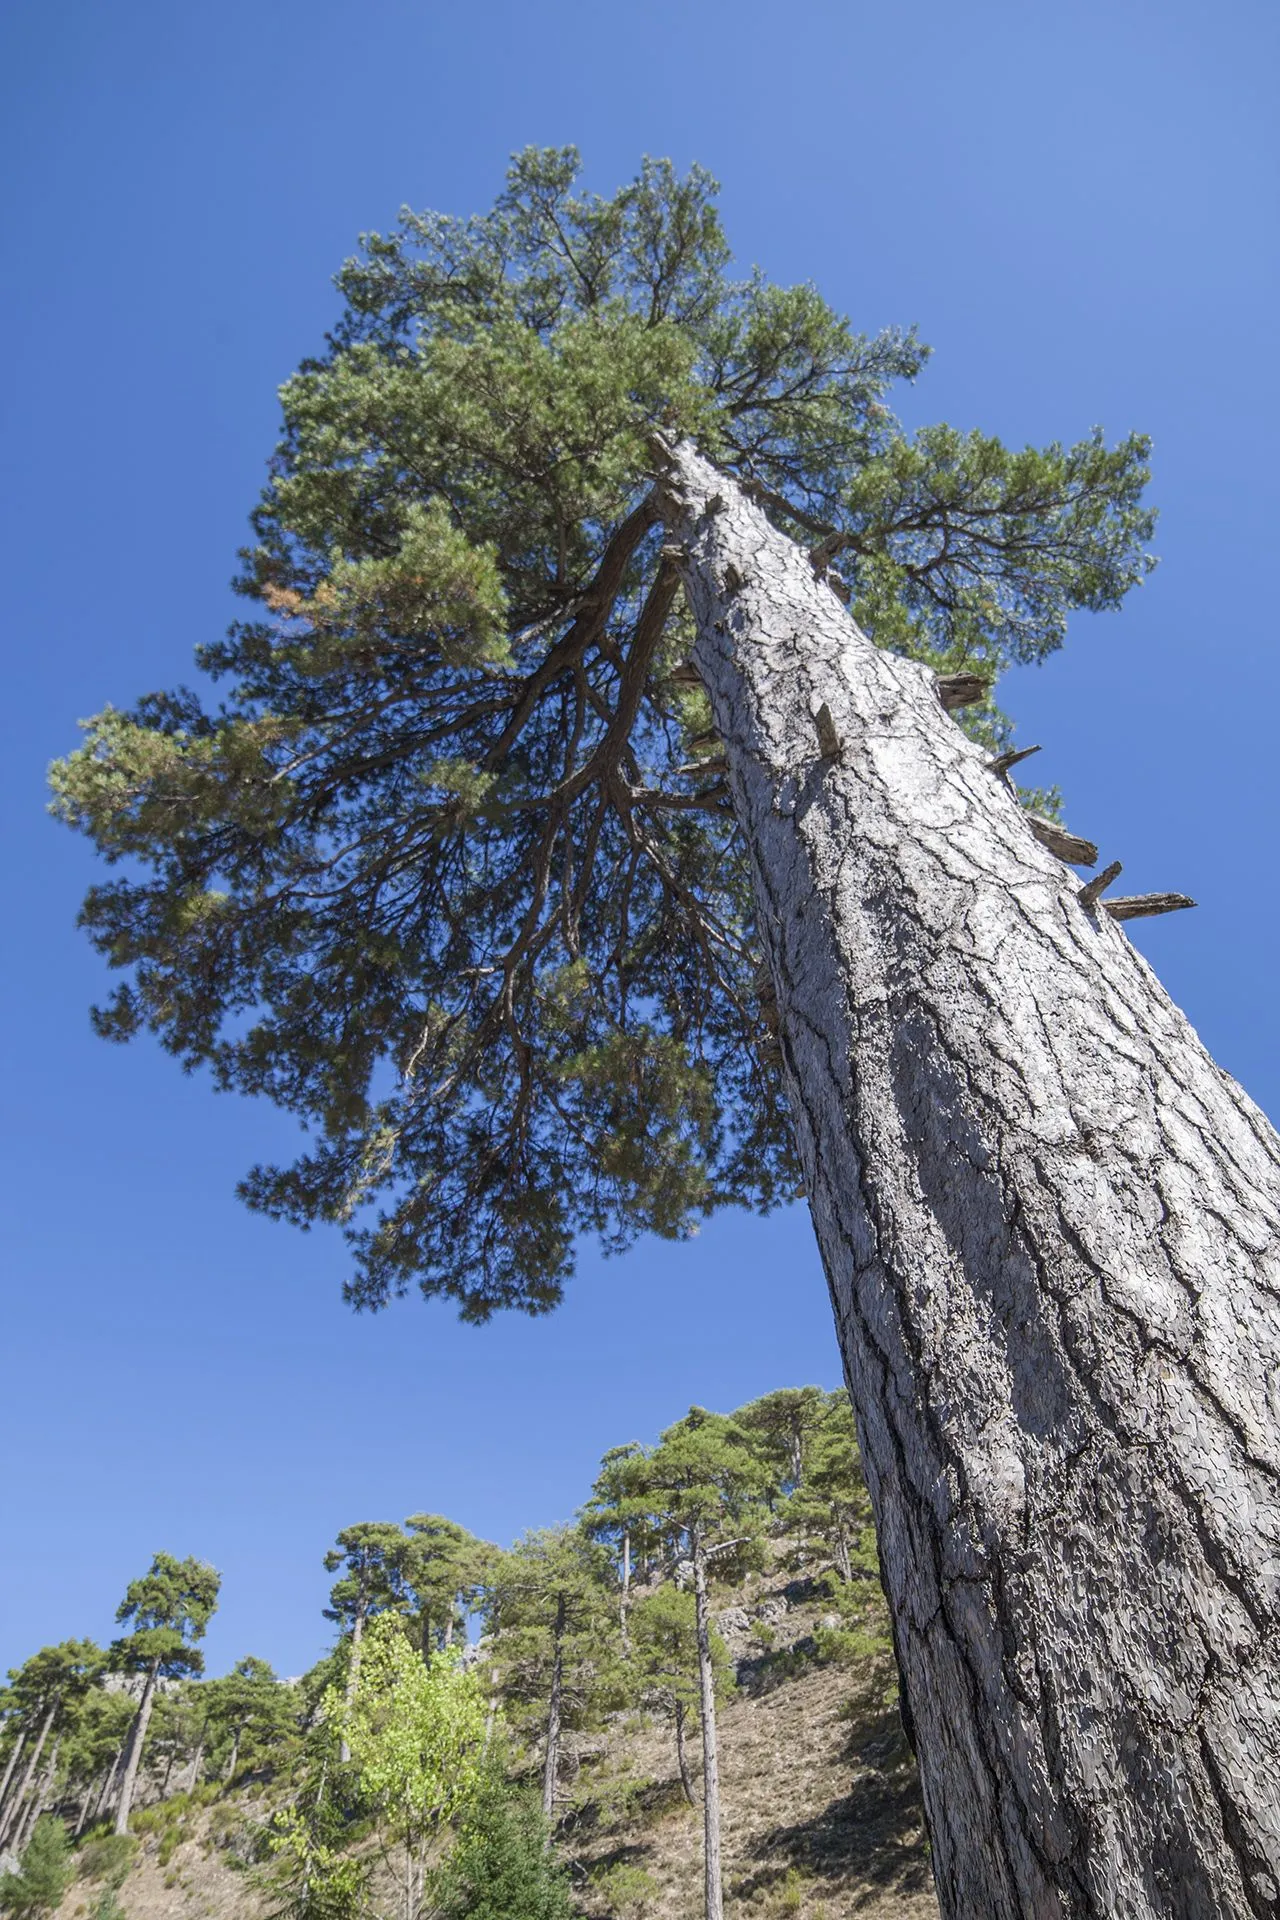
x=423, y=1764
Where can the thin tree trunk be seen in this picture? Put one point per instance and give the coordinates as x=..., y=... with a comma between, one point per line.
x=235, y=1755
x=40, y=1800
x=15, y=1815
x=1051, y=1230
x=90, y=1794
x=104, y=1798
x=624, y=1601
x=710, y=1763
x=353, y=1669
x=844, y=1565
x=18, y=1745
x=551, y=1760
x=196, y=1764
x=133, y=1749
x=682, y=1758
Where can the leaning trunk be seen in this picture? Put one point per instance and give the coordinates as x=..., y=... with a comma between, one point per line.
x=229, y=1775
x=710, y=1762
x=18, y=1745
x=40, y=1801
x=13, y=1818
x=1051, y=1231
x=551, y=1761
x=133, y=1752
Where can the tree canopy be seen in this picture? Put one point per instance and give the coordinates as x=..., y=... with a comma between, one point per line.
x=450, y=871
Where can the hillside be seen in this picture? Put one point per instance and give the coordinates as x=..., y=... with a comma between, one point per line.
x=822, y=1816
x=726, y=1573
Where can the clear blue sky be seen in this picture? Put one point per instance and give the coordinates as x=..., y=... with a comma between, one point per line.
x=1077, y=204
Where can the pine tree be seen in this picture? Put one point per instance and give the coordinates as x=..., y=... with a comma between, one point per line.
x=168, y=1610
x=44, y=1696
x=446, y=1572
x=666, y=1667
x=46, y=1873
x=372, y=1556
x=564, y=905
x=549, y=1606
x=502, y=1868
x=704, y=1487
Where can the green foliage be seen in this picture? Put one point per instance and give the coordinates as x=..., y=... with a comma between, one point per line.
x=311, y=1878
x=416, y=1733
x=251, y=1719
x=549, y=1606
x=106, y=1856
x=429, y=876
x=447, y=1572
x=501, y=1867
x=829, y=1508
x=108, y=1906
x=664, y=1651
x=371, y=1559
x=625, y=1890
x=45, y=1873
x=168, y=1610
x=704, y=1482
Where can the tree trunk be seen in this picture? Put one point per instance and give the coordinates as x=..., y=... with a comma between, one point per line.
x=625, y=1597
x=551, y=1760
x=133, y=1750
x=235, y=1755
x=109, y=1780
x=90, y=1795
x=14, y=1817
x=710, y=1763
x=1051, y=1233
x=353, y=1669
x=18, y=1745
x=682, y=1757
x=844, y=1565
x=40, y=1800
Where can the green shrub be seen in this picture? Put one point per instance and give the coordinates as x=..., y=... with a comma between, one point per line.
x=45, y=1873
x=501, y=1866
x=628, y=1891
x=106, y=1856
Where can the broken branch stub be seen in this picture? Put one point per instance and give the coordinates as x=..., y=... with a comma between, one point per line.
x=1093, y=890
x=1067, y=846
x=956, y=690
x=1138, y=906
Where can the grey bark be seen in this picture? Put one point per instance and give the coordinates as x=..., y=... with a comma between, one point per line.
x=712, y=1879
x=682, y=1757
x=133, y=1749
x=14, y=1816
x=41, y=1799
x=1051, y=1230
x=14, y=1755
x=551, y=1759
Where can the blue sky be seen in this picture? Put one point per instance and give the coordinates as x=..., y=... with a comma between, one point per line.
x=1077, y=205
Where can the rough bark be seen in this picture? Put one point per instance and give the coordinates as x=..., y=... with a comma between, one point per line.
x=1050, y=1229
x=714, y=1898
x=551, y=1759
x=133, y=1751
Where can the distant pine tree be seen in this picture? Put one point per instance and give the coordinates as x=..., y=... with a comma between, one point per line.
x=501, y=1867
